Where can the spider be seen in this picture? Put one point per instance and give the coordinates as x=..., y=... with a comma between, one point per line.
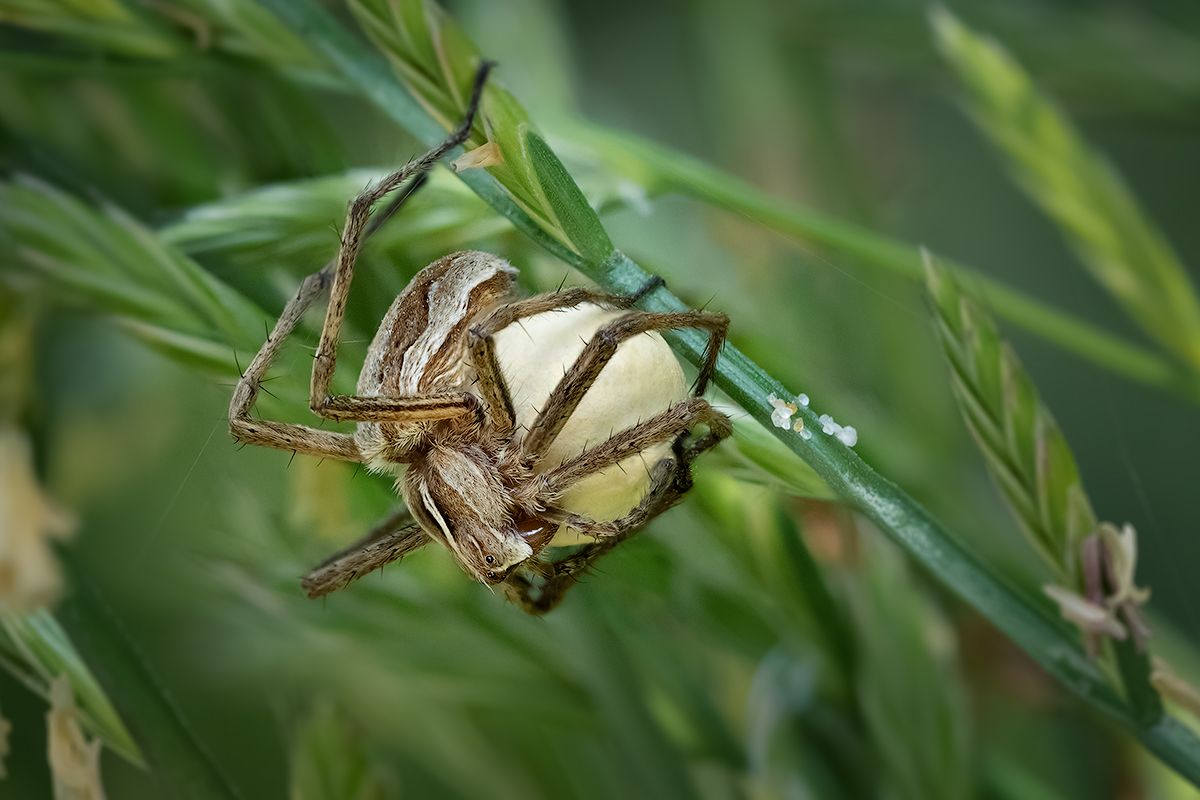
x=431, y=396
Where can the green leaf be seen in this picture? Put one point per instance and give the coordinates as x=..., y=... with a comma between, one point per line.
x=566, y=202
x=1078, y=188
x=36, y=649
x=829, y=616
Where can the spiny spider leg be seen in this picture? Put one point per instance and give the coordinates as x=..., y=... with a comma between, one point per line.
x=381, y=409
x=671, y=424
x=302, y=438
x=392, y=539
x=492, y=384
x=571, y=389
x=285, y=436
x=670, y=481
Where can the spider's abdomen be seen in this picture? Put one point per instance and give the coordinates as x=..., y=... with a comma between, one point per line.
x=421, y=345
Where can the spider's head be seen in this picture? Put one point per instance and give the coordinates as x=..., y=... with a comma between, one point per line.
x=460, y=501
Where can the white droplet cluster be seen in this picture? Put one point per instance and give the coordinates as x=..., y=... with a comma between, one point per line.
x=782, y=415
x=846, y=434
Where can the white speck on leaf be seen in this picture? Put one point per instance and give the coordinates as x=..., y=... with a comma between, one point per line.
x=782, y=415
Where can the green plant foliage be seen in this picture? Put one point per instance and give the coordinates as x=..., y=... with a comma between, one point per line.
x=292, y=222
x=1124, y=251
x=111, y=262
x=909, y=682
x=661, y=171
x=34, y=647
x=329, y=761
x=1027, y=453
x=170, y=170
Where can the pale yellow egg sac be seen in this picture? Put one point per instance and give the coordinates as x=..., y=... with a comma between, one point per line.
x=643, y=379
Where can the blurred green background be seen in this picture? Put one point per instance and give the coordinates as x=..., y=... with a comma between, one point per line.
x=693, y=663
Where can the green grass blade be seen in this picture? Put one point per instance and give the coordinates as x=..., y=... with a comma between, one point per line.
x=897, y=514
x=107, y=24
x=288, y=222
x=660, y=169
x=170, y=748
x=1078, y=188
x=829, y=617
x=112, y=263
x=36, y=649
x=575, y=217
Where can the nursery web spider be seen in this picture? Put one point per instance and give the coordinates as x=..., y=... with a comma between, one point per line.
x=431, y=395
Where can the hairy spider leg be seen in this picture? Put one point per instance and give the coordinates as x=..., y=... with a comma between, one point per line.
x=492, y=384
x=391, y=540
x=281, y=435
x=381, y=409
x=670, y=481
x=670, y=425
x=302, y=438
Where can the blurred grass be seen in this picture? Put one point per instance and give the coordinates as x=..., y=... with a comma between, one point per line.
x=179, y=762
x=1124, y=251
x=35, y=648
x=704, y=659
x=329, y=761
x=935, y=764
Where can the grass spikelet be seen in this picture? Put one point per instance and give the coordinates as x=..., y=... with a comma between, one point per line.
x=1024, y=447
x=1124, y=251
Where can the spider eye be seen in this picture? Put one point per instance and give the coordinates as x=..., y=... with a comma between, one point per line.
x=491, y=575
x=490, y=559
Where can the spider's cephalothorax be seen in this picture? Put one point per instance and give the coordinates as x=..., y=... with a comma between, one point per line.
x=460, y=476
x=432, y=396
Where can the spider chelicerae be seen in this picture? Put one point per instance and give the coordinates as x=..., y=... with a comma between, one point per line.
x=431, y=396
